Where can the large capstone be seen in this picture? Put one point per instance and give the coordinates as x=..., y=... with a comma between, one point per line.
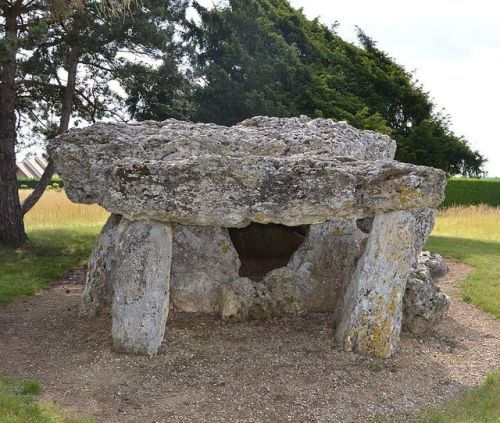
x=286, y=171
x=270, y=217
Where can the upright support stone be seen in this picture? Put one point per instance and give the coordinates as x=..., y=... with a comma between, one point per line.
x=324, y=263
x=141, y=283
x=204, y=259
x=371, y=318
x=98, y=290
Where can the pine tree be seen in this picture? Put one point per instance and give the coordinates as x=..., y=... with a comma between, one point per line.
x=87, y=42
x=263, y=57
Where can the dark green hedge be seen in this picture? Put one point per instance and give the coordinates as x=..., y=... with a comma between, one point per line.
x=28, y=183
x=462, y=191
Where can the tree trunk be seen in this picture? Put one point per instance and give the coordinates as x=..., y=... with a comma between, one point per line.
x=12, y=231
x=69, y=95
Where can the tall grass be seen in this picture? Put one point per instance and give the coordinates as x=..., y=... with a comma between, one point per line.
x=479, y=222
x=55, y=210
x=472, y=235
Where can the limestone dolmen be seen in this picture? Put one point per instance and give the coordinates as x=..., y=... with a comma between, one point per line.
x=269, y=217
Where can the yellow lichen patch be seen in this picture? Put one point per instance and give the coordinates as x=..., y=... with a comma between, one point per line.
x=225, y=248
x=260, y=218
x=406, y=195
x=337, y=232
x=378, y=339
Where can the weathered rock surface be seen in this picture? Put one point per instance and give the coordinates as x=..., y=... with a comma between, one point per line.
x=325, y=262
x=203, y=260
x=435, y=263
x=141, y=286
x=424, y=303
x=275, y=296
x=98, y=290
x=370, y=321
x=424, y=224
x=289, y=171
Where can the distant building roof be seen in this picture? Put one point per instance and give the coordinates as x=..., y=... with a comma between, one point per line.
x=31, y=167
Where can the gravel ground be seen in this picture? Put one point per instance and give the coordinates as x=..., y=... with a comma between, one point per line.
x=272, y=371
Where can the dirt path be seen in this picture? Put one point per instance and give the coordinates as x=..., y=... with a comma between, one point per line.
x=275, y=371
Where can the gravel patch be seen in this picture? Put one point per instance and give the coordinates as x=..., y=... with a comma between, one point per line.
x=208, y=370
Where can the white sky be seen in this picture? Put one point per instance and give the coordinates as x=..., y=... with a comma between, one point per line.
x=454, y=45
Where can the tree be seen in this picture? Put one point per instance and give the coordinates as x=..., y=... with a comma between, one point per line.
x=263, y=57
x=84, y=42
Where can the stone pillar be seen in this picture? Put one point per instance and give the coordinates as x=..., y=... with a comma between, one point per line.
x=98, y=290
x=141, y=281
x=204, y=260
x=370, y=321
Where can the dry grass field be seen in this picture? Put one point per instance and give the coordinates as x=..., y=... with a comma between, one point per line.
x=55, y=210
x=467, y=233
x=480, y=222
x=471, y=234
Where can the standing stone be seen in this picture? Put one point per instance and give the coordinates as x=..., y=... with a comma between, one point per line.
x=424, y=225
x=141, y=286
x=325, y=262
x=204, y=259
x=424, y=304
x=98, y=290
x=370, y=322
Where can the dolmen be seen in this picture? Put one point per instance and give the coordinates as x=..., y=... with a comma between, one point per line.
x=271, y=217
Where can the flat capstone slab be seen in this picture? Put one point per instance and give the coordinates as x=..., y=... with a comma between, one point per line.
x=287, y=171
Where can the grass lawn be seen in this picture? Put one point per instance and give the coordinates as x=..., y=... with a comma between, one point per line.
x=477, y=405
x=61, y=237
x=18, y=405
x=472, y=235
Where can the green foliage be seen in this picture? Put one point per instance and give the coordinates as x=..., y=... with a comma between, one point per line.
x=263, y=57
x=94, y=39
x=29, y=183
x=461, y=191
x=49, y=255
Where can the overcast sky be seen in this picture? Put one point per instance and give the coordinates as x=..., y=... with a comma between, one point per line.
x=454, y=46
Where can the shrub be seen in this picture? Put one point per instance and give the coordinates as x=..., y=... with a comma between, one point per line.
x=463, y=191
x=29, y=183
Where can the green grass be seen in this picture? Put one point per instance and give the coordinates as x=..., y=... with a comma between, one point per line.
x=18, y=404
x=463, y=191
x=472, y=235
x=49, y=255
x=482, y=287
x=481, y=404
x=61, y=237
